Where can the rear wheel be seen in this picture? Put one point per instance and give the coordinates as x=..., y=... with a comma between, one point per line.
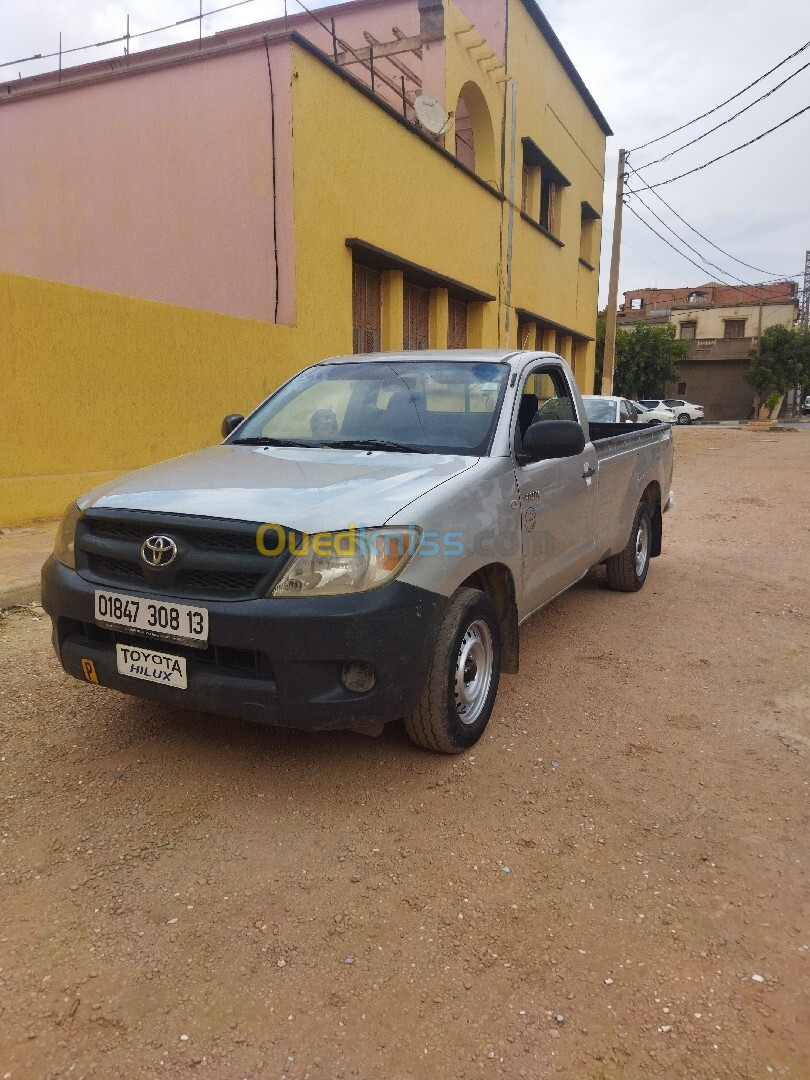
x=684, y=418
x=627, y=571
x=460, y=689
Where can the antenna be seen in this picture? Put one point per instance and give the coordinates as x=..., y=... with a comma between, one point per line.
x=430, y=115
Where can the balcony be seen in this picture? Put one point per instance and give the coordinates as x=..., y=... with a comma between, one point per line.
x=721, y=348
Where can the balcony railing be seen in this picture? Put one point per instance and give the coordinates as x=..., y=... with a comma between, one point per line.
x=721, y=348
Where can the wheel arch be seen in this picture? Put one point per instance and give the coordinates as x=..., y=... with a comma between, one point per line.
x=651, y=497
x=496, y=581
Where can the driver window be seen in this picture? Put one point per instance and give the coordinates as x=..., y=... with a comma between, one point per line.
x=546, y=396
x=625, y=413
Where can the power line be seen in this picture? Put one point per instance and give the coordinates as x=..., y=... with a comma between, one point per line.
x=702, y=257
x=723, y=123
x=672, y=210
x=722, y=103
x=748, y=289
x=127, y=37
x=728, y=153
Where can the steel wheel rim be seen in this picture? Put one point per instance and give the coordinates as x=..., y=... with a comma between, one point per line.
x=642, y=546
x=473, y=674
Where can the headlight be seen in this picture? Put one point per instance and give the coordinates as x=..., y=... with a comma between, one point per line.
x=354, y=561
x=64, y=546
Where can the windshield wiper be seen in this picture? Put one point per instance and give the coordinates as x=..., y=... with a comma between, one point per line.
x=261, y=440
x=377, y=444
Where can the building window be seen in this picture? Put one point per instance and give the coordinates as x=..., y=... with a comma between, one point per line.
x=734, y=328
x=551, y=183
x=696, y=297
x=548, y=200
x=636, y=304
x=682, y=389
x=688, y=331
x=366, y=309
x=416, y=317
x=587, y=236
x=456, y=324
x=525, y=196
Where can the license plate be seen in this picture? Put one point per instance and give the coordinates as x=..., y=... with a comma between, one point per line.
x=157, y=667
x=175, y=622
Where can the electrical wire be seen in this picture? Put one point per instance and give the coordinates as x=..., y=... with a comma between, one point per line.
x=722, y=103
x=748, y=289
x=127, y=37
x=672, y=210
x=667, y=242
x=686, y=243
x=728, y=153
x=723, y=123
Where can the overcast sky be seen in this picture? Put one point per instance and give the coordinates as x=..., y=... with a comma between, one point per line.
x=650, y=65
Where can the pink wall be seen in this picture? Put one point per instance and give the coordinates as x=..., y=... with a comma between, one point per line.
x=156, y=185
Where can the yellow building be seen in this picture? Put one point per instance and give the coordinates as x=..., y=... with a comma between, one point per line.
x=185, y=228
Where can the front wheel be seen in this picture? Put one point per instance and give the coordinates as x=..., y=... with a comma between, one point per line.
x=684, y=418
x=627, y=571
x=460, y=689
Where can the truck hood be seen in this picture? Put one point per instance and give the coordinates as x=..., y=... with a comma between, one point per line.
x=310, y=490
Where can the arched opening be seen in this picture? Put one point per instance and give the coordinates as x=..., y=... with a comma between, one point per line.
x=465, y=138
x=475, y=141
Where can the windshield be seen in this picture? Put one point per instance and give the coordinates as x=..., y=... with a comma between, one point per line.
x=437, y=407
x=600, y=410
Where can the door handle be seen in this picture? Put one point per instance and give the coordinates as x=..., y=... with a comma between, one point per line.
x=589, y=472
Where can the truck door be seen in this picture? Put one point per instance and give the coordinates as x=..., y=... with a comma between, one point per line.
x=557, y=497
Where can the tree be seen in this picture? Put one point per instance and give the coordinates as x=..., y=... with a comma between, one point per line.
x=646, y=358
x=781, y=363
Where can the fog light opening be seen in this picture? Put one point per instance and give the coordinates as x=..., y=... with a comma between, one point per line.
x=358, y=677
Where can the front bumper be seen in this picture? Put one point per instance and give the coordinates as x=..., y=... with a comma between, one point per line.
x=273, y=661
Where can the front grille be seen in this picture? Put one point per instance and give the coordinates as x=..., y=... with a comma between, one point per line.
x=115, y=568
x=216, y=559
x=216, y=581
x=226, y=542
x=119, y=530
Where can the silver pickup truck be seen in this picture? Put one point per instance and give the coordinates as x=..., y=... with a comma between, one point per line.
x=362, y=548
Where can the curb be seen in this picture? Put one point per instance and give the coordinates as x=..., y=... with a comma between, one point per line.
x=25, y=592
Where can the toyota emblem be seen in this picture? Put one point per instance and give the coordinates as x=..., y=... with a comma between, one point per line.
x=158, y=551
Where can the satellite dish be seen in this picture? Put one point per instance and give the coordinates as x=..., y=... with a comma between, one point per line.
x=430, y=114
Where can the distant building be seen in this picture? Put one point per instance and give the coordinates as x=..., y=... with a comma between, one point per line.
x=723, y=323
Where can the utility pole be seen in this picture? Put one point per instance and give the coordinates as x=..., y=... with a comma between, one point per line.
x=805, y=308
x=609, y=360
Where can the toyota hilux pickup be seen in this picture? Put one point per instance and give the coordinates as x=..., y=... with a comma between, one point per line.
x=361, y=548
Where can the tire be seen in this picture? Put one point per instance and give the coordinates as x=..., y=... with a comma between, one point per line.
x=468, y=649
x=627, y=571
x=684, y=418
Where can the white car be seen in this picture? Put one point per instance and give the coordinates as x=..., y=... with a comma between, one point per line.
x=684, y=410
x=609, y=410
x=649, y=414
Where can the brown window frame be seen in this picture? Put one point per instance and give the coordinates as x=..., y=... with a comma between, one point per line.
x=456, y=324
x=692, y=323
x=366, y=309
x=736, y=323
x=548, y=201
x=415, y=317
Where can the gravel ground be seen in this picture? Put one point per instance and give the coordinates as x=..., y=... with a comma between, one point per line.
x=613, y=884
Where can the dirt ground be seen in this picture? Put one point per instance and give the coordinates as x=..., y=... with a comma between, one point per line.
x=612, y=884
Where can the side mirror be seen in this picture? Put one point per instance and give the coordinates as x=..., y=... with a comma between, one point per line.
x=230, y=423
x=552, y=439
